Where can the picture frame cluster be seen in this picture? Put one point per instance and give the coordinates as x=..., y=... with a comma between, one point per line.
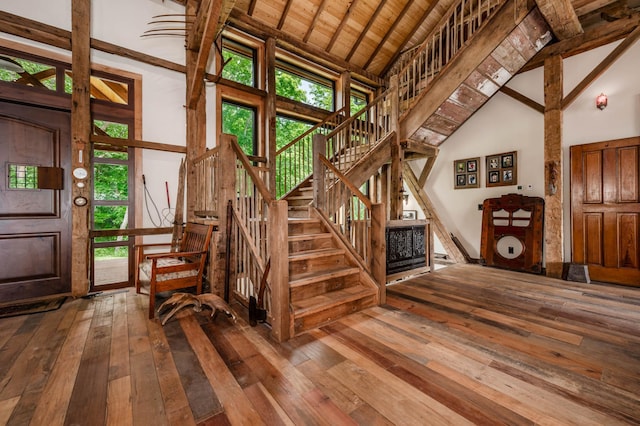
x=467, y=173
x=501, y=170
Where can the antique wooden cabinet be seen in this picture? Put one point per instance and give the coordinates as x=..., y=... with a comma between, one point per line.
x=512, y=232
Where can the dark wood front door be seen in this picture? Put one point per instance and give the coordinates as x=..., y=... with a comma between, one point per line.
x=35, y=223
x=605, y=203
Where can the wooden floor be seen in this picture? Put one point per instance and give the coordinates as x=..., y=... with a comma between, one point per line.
x=463, y=345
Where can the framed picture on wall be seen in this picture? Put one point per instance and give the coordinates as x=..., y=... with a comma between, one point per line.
x=466, y=173
x=502, y=169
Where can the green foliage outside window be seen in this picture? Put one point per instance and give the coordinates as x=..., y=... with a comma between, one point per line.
x=46, y=74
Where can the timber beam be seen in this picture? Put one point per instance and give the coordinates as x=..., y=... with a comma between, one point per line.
x=200, y=40
x=590, y=39
x=561, y=17
x=439, y=229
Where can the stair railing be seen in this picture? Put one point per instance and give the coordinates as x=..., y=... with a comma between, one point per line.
x=207, y=178
x=358, y=221
x=294, y=161
x=259, y=229
x=362, y=132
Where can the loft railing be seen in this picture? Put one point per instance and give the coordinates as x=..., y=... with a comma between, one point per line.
x=454, y=31
x=294, y=161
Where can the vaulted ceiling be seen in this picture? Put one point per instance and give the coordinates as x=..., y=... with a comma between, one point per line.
x=369, y=35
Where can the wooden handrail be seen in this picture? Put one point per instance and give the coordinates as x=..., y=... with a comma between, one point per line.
x=312, y=129
x=257, y=181
x=363, y=198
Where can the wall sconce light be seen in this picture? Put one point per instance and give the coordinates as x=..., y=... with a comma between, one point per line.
x=601, y=101
x=405, y=197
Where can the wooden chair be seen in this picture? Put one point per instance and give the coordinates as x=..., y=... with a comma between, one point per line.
x=175, y=269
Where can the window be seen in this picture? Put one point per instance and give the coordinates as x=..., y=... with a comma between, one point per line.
x=359, y=100
x=112, y=205
x=42, y=73
x=239, y=63
x=22, y=176
x=303, y=86
x=27, y=72
x=240, y=120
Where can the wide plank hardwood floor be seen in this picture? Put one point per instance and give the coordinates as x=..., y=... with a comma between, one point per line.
x=463, y=345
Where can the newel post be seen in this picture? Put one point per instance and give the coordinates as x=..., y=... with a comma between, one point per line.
x=319, y=147
x=278, y=238
x=378, y=262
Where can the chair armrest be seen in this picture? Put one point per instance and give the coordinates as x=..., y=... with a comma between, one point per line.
x=142, y=246
x=175, y=254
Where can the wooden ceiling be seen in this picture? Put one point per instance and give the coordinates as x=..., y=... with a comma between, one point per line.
x=367, y=36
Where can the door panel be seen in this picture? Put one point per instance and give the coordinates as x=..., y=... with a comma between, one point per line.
x=605, y=206
x=35, y=224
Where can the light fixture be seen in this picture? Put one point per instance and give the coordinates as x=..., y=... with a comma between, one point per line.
x=601, y=101
x=8, y=64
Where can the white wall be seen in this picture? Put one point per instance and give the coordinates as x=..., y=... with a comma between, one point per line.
x=504, y=124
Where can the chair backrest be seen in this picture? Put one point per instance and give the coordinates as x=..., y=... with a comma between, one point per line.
x=196, y=237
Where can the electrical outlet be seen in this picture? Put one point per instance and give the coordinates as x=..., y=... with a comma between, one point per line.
x=519, y=187
x=479, y=206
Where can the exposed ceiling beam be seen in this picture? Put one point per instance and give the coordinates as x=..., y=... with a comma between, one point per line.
x=403, y=45
x=284, y=14
x=315, y=21
x=344, y=20
x=246, y=23
x=599, y=36
x=366, y=30
x=602, y=67
x=200, y=40
x=390, y=31
x=561, y=17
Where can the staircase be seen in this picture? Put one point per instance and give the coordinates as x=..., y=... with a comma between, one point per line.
x=325, y=281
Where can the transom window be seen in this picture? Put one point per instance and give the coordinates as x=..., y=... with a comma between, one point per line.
x=300, y=85
x=42, y=73
x=239, y=63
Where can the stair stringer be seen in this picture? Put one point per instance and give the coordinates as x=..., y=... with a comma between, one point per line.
x=500, y=50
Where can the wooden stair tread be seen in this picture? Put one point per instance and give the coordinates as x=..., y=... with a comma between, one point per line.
x=306, y=278
x=304, y=237
x=307, y=254
x=325, y=301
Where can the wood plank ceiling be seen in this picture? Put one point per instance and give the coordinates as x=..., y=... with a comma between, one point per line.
x=369, y=35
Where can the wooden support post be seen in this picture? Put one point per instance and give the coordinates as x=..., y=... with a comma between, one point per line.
x=343, y=93
x=553, y=212
x=396, y=187
x=80, y=145
x=278, y=237
x=227, y=188
x=319, y=147
x=270, y=112
x=378, y=265
x=196, y=118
